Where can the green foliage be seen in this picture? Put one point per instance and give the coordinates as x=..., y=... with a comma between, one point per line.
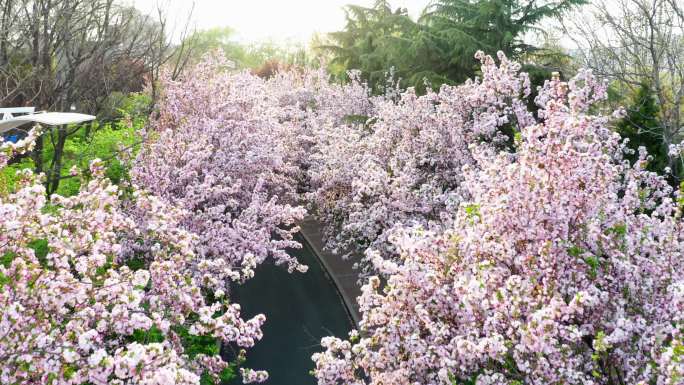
x=69, y=371
x=643, y=128
x=355, y=119
x=51, y=378
x=195, y=345
x=438, y=48
x=103, y=143
x=575, y=251
x=135, y=106
x=135, y=263
x=593, y=263
x=472, y=210
x=41, y=249
x=8, y=176
x=4, y=280
x=375, y=40
x=620, y=230
x=464, y=26
x=225, y=377
x=207, y=345
x=7, y=258
x=472, y=380
x=153, y=335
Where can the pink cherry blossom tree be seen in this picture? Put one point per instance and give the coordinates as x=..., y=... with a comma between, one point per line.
x=71, y=312
x=216, y=148
x=402, y=165
x=562, y=265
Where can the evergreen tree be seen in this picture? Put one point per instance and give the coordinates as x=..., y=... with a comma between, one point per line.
x=642, y=127
x=375, y=40
x=439, y=48
x=462, y=27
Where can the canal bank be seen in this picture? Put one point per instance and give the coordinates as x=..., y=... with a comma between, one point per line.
x=341, y=271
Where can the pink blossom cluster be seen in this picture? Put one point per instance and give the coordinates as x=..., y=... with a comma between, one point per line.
x=10, y=149
x=316, y=111
x=69, y=310
x=562, y=264
x=402, y=166
x=220, y=148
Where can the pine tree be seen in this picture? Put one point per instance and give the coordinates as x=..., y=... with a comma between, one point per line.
x=374, y=40
x=439, y=48
x=462, y=27
x=642, y=127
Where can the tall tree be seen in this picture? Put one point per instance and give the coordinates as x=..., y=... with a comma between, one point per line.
x=462, y=27
x=375, y=40
x=642, y=128
x=440, y=47
x=59, y=53
x=632, y=42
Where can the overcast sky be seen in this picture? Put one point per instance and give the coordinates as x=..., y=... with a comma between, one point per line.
x=279, y=20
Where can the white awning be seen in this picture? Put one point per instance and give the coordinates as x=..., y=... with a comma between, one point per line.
x=46, y=118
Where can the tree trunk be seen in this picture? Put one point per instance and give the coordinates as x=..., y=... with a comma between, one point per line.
x=4, y=29
x=37, y=155
x=54, y=175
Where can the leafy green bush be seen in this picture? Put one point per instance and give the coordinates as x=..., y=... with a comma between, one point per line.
x=8, y=175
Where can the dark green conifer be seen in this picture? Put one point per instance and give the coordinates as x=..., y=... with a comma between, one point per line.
x=642, y=127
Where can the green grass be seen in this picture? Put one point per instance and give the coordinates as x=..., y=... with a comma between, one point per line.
x=96, y=140
x=80, y=149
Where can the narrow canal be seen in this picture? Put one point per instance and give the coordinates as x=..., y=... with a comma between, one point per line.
x=299, y=309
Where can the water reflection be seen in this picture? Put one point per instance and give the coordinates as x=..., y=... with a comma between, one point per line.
x=299, y=309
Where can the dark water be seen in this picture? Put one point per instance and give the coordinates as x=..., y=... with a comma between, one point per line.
x=300, y=309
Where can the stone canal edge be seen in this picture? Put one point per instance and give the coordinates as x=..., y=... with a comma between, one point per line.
x=341, y=271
